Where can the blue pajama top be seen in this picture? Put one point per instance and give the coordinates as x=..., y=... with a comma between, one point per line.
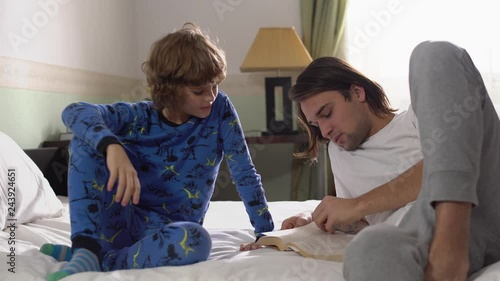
x=177, y=165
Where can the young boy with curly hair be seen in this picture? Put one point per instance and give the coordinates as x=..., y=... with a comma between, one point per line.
x=141, y=174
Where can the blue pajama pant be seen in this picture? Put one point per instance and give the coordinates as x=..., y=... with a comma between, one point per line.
x=124, y=237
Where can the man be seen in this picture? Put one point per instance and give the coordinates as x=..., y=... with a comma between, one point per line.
x=451, y=231
x=375, y=154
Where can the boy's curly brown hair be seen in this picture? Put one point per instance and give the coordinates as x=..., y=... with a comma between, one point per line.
x=181, y=58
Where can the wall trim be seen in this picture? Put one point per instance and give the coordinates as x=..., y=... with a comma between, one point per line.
x=30, y=75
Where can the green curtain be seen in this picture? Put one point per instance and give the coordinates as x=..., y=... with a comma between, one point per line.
x=322, y=31
x=322, y=25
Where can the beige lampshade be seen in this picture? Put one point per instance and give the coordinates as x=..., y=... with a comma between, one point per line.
x=276, y=48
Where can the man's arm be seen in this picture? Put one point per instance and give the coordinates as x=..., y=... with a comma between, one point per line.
x=306, y=218
x=392, y=195
x=352, y=228
x=389, y=196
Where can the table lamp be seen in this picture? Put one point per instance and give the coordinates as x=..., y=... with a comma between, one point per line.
x=275, y=49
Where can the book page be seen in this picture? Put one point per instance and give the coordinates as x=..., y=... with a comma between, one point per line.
x=295, y=234
x=323, y=246
x=289, y=235
x=309, y=241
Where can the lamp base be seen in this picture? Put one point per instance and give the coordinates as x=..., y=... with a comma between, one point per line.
x=276, y=125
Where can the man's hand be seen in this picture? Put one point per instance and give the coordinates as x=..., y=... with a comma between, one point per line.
x=449, y=252
x=121, y=169
x=333, y=210
x=297, y=220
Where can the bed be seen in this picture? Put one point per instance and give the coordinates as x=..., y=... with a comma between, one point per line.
x=227, y=222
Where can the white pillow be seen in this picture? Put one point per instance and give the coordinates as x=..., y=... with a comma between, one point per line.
x=33, y=198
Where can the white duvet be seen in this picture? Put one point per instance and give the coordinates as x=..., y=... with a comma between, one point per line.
x=229, y=227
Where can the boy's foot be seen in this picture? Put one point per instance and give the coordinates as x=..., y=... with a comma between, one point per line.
x=59, y=252
x=82, y=260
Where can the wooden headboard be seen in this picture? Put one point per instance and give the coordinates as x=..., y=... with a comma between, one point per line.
x=53, y=162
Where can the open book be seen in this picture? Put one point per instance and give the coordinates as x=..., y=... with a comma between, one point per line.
x=309, y=241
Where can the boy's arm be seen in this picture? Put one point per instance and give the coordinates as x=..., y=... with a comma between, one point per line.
x=248, y=182
x=96, y=124
x=449, y=252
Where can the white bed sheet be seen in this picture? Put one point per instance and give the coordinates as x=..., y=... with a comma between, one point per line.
x=229, y=227
x=228, y=224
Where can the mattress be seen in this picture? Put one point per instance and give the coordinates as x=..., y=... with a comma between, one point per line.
x=228, y=225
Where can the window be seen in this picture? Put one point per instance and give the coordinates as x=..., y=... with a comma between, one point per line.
x=380, y=35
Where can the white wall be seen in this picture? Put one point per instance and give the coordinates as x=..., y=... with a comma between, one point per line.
x=233, y=22
x=94, y=35
x=84, y=37
x=114, y=36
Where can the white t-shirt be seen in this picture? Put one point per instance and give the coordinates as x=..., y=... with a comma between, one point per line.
x=381, y=158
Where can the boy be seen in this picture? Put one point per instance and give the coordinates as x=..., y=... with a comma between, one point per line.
x=141, y=175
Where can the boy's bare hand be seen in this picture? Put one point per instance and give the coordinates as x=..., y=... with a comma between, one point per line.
x=250, y=246
x=297, y=220
x=122, y=170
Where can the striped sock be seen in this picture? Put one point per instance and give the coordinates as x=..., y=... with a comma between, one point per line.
x=59, y=252
x=82, y=260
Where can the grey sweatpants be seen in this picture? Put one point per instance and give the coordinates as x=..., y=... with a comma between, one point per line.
x=460, y=138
